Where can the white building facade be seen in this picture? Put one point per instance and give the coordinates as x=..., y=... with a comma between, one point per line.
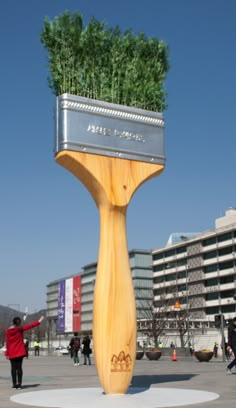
x=199, y=271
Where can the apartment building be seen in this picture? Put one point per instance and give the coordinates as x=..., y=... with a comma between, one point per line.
x=199, y=270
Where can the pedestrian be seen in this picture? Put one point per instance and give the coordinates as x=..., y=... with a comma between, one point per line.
x=37, y=346
x=215, y=349
x=190, y=348
x=232, y=344
x=227, y=354
x=86, y=350
x=15, y=348
x=26, y=342
x=74, y=348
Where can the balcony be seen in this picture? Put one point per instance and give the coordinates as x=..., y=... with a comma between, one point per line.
x=227, y=301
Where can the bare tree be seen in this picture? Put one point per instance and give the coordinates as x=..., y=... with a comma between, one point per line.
x=155, y=316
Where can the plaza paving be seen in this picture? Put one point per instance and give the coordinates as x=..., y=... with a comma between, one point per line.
x=46, y=373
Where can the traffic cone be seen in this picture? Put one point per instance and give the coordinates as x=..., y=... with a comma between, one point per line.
x=174, y=356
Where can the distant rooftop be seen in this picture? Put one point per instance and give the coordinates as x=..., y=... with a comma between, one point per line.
x=177, y=237
x=228, y=219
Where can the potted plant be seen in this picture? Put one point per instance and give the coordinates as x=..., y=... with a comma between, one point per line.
x=139, y=354
x=153, y=354
x=203, y=355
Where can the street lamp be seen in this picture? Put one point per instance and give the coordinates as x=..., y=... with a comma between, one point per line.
x=187, y=306
x=234, y=253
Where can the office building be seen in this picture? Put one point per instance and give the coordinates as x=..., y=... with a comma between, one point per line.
x=63, y=294
x=199, y=271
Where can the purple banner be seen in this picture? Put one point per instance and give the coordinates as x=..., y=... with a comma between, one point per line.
x=61, y=307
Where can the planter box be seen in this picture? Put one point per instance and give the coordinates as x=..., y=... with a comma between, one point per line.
x=92, y=126
x=153, y=355
x=139, y=355
x=203, y=355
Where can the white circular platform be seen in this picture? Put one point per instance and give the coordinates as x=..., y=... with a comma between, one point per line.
x=94, y=397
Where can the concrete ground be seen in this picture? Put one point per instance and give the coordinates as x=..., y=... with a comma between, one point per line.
x=56, y=373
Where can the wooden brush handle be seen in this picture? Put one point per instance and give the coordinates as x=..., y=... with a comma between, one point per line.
x=114, y=316
x=112, y=183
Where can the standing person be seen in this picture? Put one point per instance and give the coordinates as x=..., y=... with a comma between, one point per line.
x=75, y=347
x=232, y=344
x=215, y=349
x=160, y=345
x=190, y=348
x=15, y=351
x=26, y=348
x=227, y=354
x=36, y=347
x=86, y=350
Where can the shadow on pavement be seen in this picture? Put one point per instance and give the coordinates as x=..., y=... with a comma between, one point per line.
x=147, y=380
x=30, y=386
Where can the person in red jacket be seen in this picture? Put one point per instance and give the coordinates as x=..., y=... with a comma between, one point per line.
x=15, y=348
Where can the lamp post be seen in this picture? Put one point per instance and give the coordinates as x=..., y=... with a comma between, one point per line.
x=222, y=326
x=177, y=308
x=49, y=324
x=234, y=253
x=187, y=306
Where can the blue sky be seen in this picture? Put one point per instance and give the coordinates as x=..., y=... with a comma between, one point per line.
x=49, y=225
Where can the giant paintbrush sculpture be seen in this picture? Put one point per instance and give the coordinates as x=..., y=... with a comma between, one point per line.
x=111, y=139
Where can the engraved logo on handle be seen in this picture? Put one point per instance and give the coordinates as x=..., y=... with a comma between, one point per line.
x=121, y=363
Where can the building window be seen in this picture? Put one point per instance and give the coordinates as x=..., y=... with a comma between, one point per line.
x=228, y=309
x=225, y=237
x=182, y=288
x=225, y=251
x=210, y=268
x=142, y=273
x=171, y=277
x=212, y=296
x=225, y=265
x=156, y=257
x=209, y=255
x=160, y=291
x=182, y=275
x=181, y=262
x=143, y=283
x=181, y=249
x=227, y=294
x=211, y=282
x=226, y=279
x=209, y=241
x=169, y=253
x=212, y=310
x=170, y=265
x=159, y=279
x=158, y=268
